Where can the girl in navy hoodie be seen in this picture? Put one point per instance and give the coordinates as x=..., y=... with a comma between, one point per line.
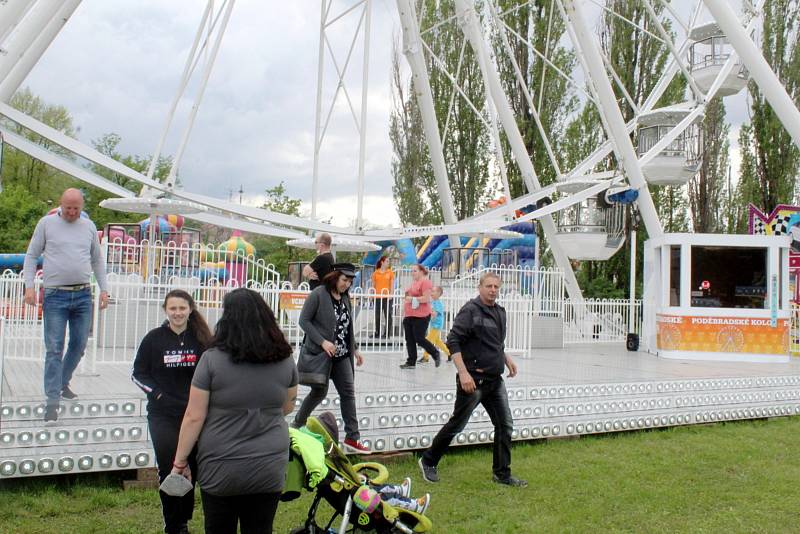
x=163, y=369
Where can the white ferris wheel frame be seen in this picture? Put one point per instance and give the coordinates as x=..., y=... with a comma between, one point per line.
x=27, y=27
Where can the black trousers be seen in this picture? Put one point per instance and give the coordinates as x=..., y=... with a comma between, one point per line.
x=491, y=393
x=164, y=430
x=416, y=328
x=383, y=307
x=254, y=513
x=344, y=381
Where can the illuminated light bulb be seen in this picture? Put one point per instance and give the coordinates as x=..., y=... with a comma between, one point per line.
x=46, y=465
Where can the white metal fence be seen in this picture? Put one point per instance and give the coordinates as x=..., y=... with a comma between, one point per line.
x=197, y=261
x=23, y=336
x=544, y=286
x=794, y=330
x=136, y=308
x=604, y=321
x=538, y=316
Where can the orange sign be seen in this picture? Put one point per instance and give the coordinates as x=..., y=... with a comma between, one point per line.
x=293, y=301
x=747, y=335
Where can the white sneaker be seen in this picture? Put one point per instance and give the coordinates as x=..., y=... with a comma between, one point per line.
x=405, y=487
x=423, y=503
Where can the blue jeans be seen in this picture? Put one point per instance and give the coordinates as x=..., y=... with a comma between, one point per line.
x=62, y=308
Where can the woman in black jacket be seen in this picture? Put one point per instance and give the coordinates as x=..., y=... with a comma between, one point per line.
x=327, y=320
x=163, y=369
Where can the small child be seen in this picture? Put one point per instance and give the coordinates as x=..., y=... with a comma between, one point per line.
x=399, y=496
x=436, y=324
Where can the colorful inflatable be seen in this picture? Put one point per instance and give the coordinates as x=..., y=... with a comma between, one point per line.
x=236, y=249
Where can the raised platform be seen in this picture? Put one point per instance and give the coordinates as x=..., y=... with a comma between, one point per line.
x=558, y=392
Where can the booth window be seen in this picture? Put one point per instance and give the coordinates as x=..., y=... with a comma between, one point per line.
x=675, y=275
x=729, y=277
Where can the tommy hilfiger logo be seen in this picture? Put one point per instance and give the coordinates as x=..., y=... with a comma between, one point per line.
x=180, y=358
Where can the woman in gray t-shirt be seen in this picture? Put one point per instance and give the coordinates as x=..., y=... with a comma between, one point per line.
x=242, y=388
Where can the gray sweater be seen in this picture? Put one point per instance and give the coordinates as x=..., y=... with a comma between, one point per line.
x=318, y=320
x=71, y=252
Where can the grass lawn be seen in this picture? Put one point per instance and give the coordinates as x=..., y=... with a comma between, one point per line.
x=732, y=477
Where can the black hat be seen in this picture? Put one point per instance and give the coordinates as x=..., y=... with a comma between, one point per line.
x=347, y=269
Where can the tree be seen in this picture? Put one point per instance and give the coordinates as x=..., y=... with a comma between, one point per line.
x=770, y=161
x=638, y=59
x=707, y=187
x=274, y=250
x=465, y=140
x=35, y=175
x=411, y=164
x=107, y=144
x=553, y=96
x=20, y=210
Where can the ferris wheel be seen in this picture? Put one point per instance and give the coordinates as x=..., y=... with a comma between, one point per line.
x=587, y=218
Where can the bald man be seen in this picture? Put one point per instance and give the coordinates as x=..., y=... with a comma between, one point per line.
x=71, y=252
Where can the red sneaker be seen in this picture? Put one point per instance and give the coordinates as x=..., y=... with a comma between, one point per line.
x=352, y=446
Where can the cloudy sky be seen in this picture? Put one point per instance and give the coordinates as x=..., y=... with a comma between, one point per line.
x=117, y=63
x=116, y=66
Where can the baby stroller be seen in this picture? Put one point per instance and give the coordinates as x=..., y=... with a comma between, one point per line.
x=331, y=476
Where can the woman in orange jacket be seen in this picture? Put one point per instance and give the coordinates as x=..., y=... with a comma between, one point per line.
x=383, y=282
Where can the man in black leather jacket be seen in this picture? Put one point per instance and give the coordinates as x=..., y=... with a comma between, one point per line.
x=477, y=344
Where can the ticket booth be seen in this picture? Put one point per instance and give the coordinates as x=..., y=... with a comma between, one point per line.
x=717, y=297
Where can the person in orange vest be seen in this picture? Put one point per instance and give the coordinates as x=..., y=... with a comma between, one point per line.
x=383, y=283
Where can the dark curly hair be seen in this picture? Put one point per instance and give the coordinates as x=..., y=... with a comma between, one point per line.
x=248, y=330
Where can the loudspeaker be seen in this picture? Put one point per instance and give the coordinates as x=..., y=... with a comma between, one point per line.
x=632, y=342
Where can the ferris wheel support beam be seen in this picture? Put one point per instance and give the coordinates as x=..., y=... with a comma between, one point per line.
x=762, y=73
x=29, y=40
x=324, y=5
x=25, y=33
x=362, y=131
x=610, y=113
x=413, y=50
x=209, y=64
x=11, y=13
x=468, y=19
x=185, y=76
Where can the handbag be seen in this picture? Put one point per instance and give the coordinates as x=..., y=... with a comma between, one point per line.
x=313, y=369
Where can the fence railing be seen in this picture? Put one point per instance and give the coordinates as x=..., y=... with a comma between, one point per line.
x=2, y=354
x=537, y=318
x=169, y=261
x=601, y=320
x=527, y=325
x=544, y=286
x=794, y=330
x=23, y=336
